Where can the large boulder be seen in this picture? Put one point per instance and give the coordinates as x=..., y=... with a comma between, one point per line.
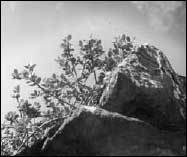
x=145, y=86
x=94, y=131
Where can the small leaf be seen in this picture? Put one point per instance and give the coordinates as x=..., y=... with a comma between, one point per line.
x=69, y=37
x=128, y=38
x=38, y=80
x=32, y=67
x=27, y=66
x=25, y=74
x=13, y=96
x=99, y=42
x=54, y=76
x=33, y=77
x=63, y=45
x=73, y=60
x=123, y=37
x=17, y=96
x=32, y=84
x=80, y=43
x=15, y=71
x=17, y=89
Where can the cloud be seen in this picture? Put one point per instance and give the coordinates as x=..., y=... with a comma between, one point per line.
x=161, y=14
x=59, y=6
x=11, y=5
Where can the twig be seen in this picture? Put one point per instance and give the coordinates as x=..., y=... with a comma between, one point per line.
x=41, y=126
x=71, y=60
x=95, y=77
x=60, y=100
x=19, y=107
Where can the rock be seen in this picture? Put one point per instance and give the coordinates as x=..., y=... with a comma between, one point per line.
x=183, y=82
x=145, y=86
x=142, y=111
x=94, y=131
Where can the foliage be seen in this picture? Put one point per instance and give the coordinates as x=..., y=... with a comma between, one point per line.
x=61, y=94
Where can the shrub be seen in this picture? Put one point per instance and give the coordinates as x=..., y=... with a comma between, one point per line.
x=62, y=94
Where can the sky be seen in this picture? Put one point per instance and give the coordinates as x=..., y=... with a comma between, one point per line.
x=32, y=32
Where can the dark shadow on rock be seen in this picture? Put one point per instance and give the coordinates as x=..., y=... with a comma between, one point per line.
x=98, y=132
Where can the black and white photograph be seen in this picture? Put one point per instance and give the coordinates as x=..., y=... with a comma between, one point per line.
x=93, y=78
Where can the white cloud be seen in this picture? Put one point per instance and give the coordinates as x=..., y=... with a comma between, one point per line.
x=160, y=14
x=59, y=6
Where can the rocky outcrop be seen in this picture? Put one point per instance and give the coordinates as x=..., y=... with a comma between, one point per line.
x=142, y=111
x=94, y=131
x=145, y=86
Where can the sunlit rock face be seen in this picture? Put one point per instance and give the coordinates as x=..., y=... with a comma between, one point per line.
x=145, y=86
x=97, y=132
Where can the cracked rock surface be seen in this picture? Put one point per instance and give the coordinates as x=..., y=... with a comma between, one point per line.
x=145, y=86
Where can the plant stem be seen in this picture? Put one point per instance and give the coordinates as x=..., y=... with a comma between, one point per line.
x=90, y=50
x=95, y=77
x=71, y=60
x=43, y=89
x=45, y=124
x=19, y=107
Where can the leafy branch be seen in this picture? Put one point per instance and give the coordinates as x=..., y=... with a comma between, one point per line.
x=62, y=94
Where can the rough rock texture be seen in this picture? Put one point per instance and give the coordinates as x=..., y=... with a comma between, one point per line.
x=94, y=131
x=183, y=81
x=145, y=86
